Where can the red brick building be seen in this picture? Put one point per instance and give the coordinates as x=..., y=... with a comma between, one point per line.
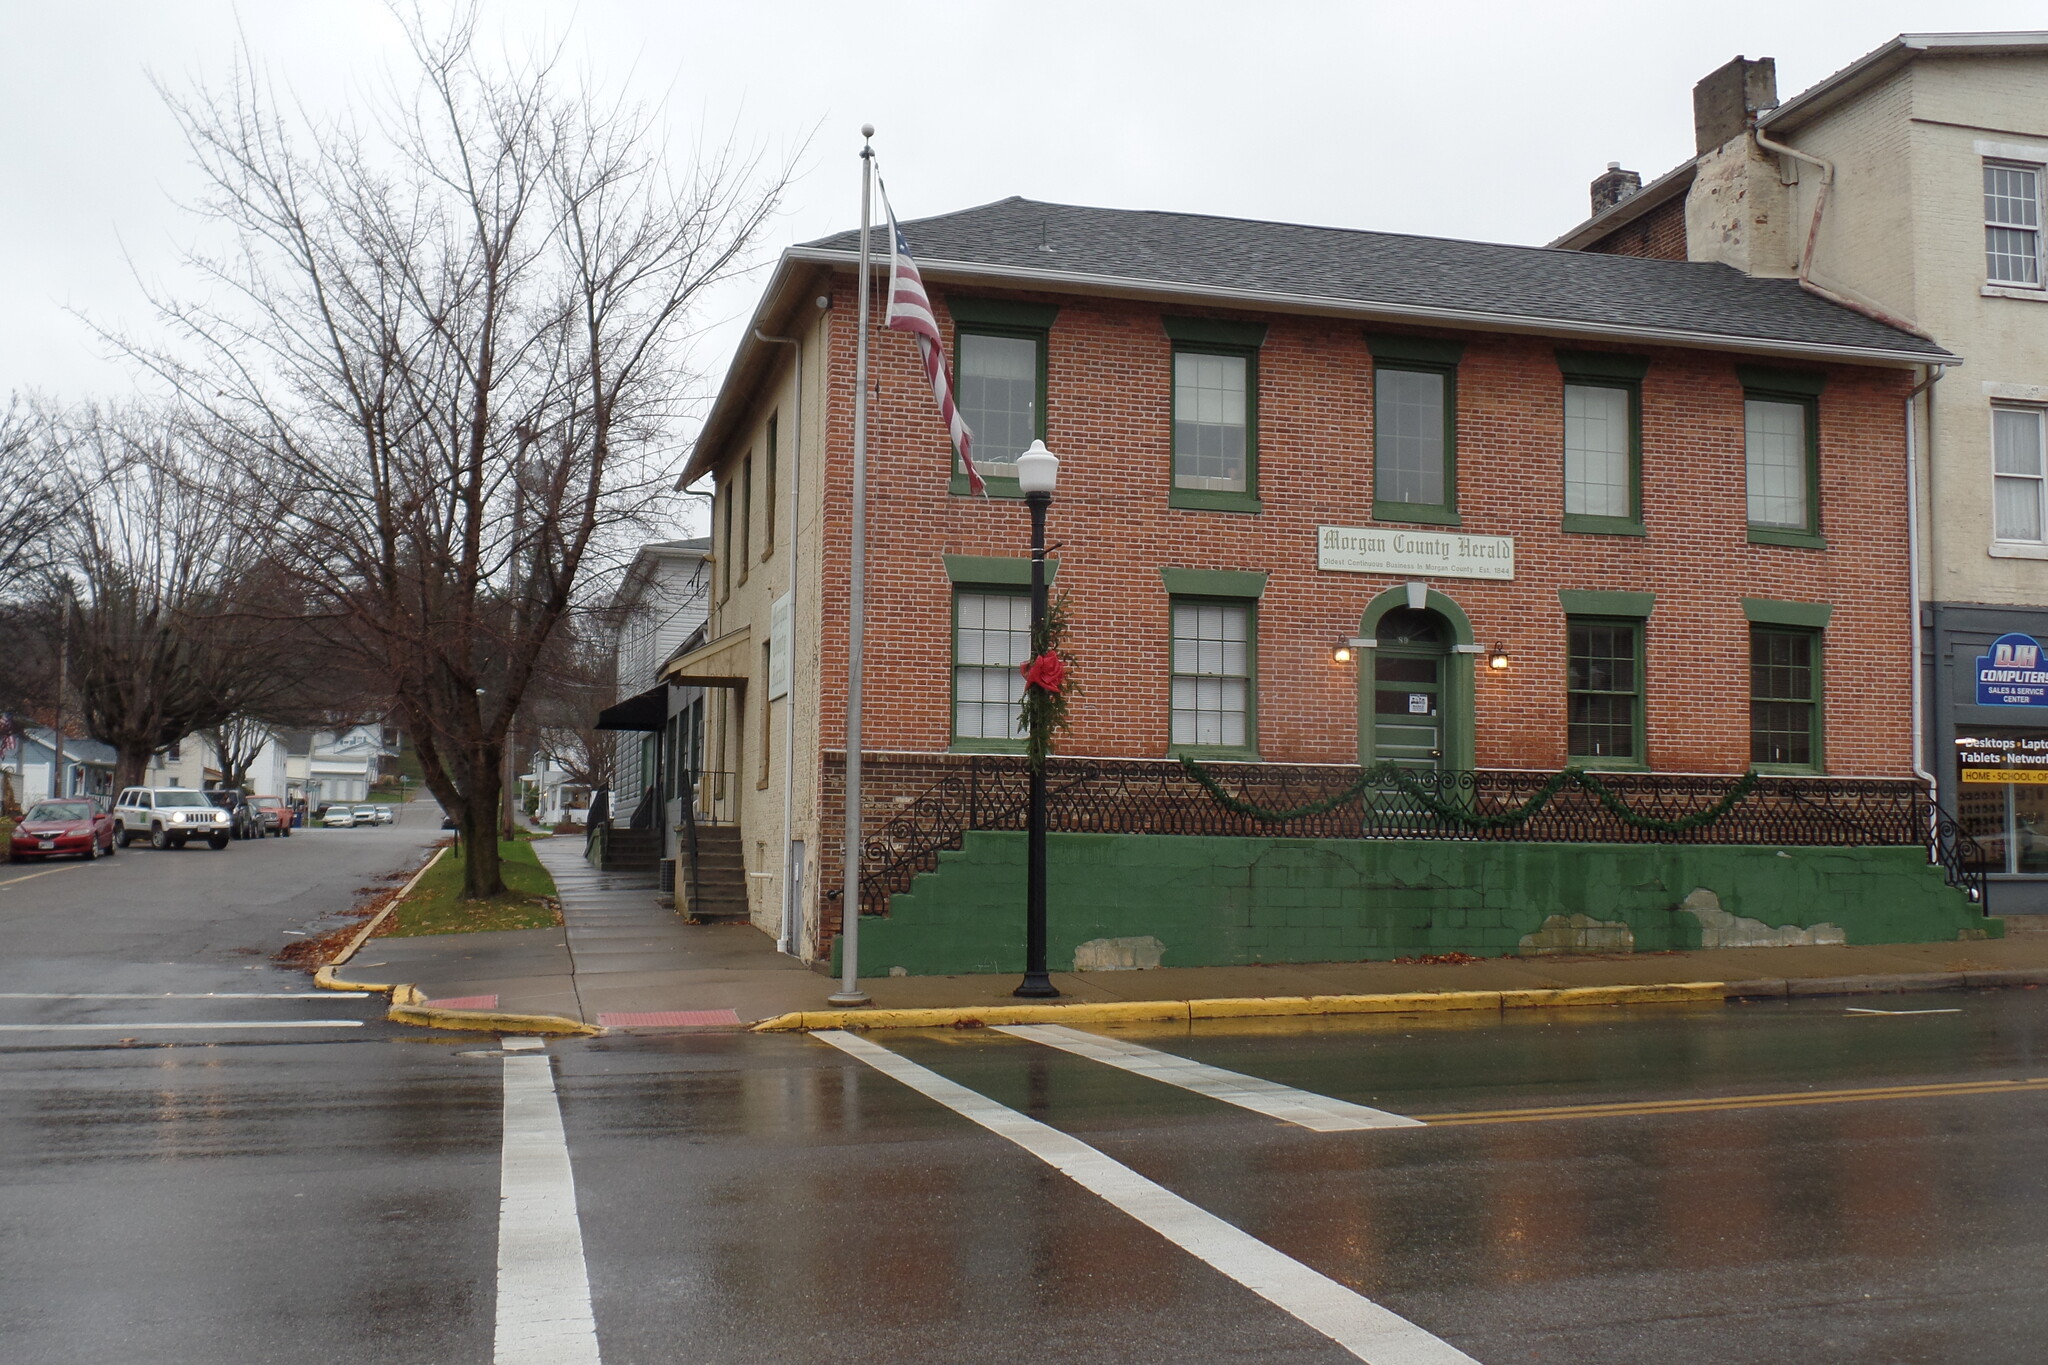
x=1325, y=498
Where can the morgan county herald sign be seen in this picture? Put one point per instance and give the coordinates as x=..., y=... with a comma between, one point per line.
x=1414, y=554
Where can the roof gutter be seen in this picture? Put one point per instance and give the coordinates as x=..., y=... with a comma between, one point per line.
x=1447, y=317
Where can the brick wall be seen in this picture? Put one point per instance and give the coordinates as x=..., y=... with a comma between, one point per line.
x=1658, y=234
x=1108, y=419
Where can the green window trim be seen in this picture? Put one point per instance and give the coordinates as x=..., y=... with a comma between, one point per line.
x=968, y=311
x=1247, y=752
x=1770, y=381
x=1002, y=318
x=1221, y=583
x=1222, y=332
x=1427, y=352
x=1639, y=761
x=993, y=571
x=1802, y=387
x=1764, y=611
x=1635, y=606
x=956, y=742
x=1216, y=499
x=1595, y=367
x=1817, y=731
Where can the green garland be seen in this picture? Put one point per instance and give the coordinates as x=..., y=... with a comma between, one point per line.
x=1383, y=774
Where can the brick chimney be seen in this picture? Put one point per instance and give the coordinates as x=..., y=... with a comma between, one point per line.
x=1613, y=187
x=1726, y=103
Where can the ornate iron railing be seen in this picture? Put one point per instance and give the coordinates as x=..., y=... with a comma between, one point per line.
x=1136, y=796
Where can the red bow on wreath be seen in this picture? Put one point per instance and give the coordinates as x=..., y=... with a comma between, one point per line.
x=1047, y=673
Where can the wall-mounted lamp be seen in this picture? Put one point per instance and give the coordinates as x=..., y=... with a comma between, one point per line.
x=1341, y=652
x=1498, y=658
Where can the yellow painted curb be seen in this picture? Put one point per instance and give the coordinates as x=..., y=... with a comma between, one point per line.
x=489, y=1021
x=1255, y=1007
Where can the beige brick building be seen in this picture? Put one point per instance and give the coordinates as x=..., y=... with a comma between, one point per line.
x=1911, y=184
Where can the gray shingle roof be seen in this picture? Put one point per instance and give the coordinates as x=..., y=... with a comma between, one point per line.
x=1533, y=284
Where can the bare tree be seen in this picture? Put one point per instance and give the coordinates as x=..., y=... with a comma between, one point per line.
x=573, y=680
x=453, y=336
x=163, y=641
x=238, y=742
x=37, y=491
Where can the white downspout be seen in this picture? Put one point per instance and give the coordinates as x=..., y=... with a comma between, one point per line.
x=785, y=936
x=1913, y=560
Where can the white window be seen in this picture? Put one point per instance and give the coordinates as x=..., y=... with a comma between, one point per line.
x=991, y=640
x=1408, y=437
x=1596, y=452
x=1775, y=437
x=1212, y=674
x=1209, y=424
x=2012, y=223
x=999, y=398
x=2018, y=474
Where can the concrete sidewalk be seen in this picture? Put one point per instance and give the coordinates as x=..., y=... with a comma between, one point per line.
x=625, y=960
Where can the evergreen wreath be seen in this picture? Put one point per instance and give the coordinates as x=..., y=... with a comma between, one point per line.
x=1049, y=686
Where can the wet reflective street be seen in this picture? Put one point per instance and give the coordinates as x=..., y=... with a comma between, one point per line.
x=1797, y=1180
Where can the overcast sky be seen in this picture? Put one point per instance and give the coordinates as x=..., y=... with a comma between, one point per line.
x=1454, y=119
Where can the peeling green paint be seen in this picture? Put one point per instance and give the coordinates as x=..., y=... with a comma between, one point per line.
x=1216, y=901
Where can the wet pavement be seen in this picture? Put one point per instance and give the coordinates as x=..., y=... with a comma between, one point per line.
x=1763, y=1182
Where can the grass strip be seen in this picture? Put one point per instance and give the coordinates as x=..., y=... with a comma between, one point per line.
x=436, y=905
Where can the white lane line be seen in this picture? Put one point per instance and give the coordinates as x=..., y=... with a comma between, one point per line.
x=131, y=1028
x=544, y=1313
x=1370, y=1332
x=1284, y=1102
x=173, y=995
x=1855, y=1010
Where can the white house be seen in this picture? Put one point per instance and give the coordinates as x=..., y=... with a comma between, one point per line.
x=661, y=605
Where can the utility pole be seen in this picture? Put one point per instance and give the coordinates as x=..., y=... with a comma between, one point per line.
x=57, y=783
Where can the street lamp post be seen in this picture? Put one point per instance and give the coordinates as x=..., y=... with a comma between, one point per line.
x=1037, y=470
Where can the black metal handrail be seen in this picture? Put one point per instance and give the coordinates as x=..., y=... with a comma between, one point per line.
x=1139, y=796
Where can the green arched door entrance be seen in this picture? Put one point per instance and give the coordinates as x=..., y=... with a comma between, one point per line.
x=1415, y=684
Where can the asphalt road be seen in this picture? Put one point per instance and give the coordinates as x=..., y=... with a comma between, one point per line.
x=1758, y=1183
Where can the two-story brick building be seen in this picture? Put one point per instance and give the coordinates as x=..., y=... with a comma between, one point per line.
x=1328, y=500
x=1911, y=182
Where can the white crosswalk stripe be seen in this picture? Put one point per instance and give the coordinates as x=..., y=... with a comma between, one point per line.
x=1284, y=1102
x=1374, y=1334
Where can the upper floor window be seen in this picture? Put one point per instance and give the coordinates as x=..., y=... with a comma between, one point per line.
x=2019, y=474
x=746, y=513
x=1781, y=455
x=999, y=366
x=2012, y=223
x=769, y=489
x=1415, y=426
x=1211, y=421
x=1603, y=441
x=1215, y=413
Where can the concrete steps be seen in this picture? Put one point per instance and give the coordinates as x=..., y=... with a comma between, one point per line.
x=721, y=880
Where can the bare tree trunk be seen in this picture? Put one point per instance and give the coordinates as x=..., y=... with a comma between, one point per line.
x=481, y=874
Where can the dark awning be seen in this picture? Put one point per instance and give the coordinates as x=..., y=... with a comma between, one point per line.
x=648, y=711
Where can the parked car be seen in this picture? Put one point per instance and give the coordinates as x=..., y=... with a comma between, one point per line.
x=243, y=821
x=275, y=814
x=385, y=815
x=63, y=827
x=367, y=815
x=168, y=817
x=337, y=817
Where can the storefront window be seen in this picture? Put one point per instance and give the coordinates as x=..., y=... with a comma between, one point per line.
x=2002, y=800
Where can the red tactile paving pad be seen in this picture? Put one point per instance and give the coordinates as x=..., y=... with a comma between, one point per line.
x=669, y=1018
x=465, y=1002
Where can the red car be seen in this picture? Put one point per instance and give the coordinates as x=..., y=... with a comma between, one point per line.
x=63, y=827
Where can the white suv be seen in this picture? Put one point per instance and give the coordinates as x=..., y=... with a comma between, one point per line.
x=168, y=816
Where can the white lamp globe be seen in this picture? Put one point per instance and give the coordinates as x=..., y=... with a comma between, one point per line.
x=1038, y=469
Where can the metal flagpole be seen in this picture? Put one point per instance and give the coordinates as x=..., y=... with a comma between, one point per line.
x=849, y=992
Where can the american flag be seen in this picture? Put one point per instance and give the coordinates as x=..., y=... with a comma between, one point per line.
x=910, y=310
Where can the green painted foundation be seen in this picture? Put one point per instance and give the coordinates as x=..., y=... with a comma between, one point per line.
x=1227, y=902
